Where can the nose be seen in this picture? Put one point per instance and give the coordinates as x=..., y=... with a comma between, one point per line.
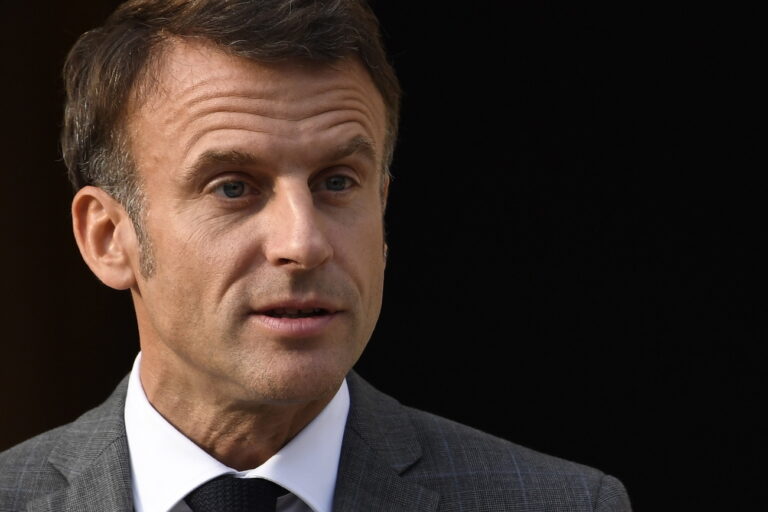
x=296, y=236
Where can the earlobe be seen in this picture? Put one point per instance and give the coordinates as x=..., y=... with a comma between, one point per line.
x=105, y=237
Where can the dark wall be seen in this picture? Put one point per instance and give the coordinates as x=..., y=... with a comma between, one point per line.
x=572, y=232
x=67, y=338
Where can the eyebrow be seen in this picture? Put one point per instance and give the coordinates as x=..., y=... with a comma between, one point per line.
x=356, y=145
x=215, y=157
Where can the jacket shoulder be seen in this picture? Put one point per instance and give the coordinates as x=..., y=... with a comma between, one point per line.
x=461, y=460
x=468, y=469
x=45, y=463
x=26, y=473
x=476, y=449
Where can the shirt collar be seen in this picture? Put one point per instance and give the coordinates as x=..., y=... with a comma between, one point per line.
x=166, y=465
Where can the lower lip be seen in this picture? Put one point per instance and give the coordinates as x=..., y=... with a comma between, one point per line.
x=295, y=327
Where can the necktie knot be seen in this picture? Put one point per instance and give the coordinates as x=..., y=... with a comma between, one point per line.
x=227, y=493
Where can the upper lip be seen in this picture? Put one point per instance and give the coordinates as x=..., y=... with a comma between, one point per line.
x=302, y=304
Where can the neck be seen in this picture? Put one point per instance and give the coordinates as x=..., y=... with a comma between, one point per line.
x=242, y=434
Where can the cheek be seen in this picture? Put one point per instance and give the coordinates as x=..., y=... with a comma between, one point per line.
x=187, y=269
x=367, y=251
x=198, y=247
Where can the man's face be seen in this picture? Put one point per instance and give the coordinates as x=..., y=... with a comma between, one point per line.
x=264, y=214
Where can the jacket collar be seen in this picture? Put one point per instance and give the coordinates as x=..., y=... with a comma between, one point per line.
x=380, y=444
x=92, y=454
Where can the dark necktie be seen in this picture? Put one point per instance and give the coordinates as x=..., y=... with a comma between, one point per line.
x=229, y=494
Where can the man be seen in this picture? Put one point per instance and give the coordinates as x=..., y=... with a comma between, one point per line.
x=231, y=167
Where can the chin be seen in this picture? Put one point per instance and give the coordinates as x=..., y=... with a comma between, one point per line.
x=298, y=381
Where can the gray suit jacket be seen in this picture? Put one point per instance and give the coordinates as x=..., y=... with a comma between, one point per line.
x=393, y=458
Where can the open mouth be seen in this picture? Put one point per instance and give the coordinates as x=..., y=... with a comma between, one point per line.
x=296, y=313
x=297, y=321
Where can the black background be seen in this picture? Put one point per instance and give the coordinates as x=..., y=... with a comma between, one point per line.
x=572, y=234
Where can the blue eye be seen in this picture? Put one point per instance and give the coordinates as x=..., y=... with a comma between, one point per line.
x=337, y=183
x=233, y=189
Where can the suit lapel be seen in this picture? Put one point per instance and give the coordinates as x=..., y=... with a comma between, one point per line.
x=379, y=445
x=92, y=454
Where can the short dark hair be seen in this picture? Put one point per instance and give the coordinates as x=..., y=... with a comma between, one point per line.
x=106, y=65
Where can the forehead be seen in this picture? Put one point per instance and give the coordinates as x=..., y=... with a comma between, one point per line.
x=190, y=83
x=183, y=65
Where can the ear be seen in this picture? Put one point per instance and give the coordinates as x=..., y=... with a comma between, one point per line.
x=106, y=238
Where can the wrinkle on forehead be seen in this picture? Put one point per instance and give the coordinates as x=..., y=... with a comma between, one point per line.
x=177, y=78
x=287, y=98
x=264, y=107
x=294, y=115
x=273, y=128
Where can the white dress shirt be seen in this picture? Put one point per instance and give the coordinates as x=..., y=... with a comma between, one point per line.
x=166, y=465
